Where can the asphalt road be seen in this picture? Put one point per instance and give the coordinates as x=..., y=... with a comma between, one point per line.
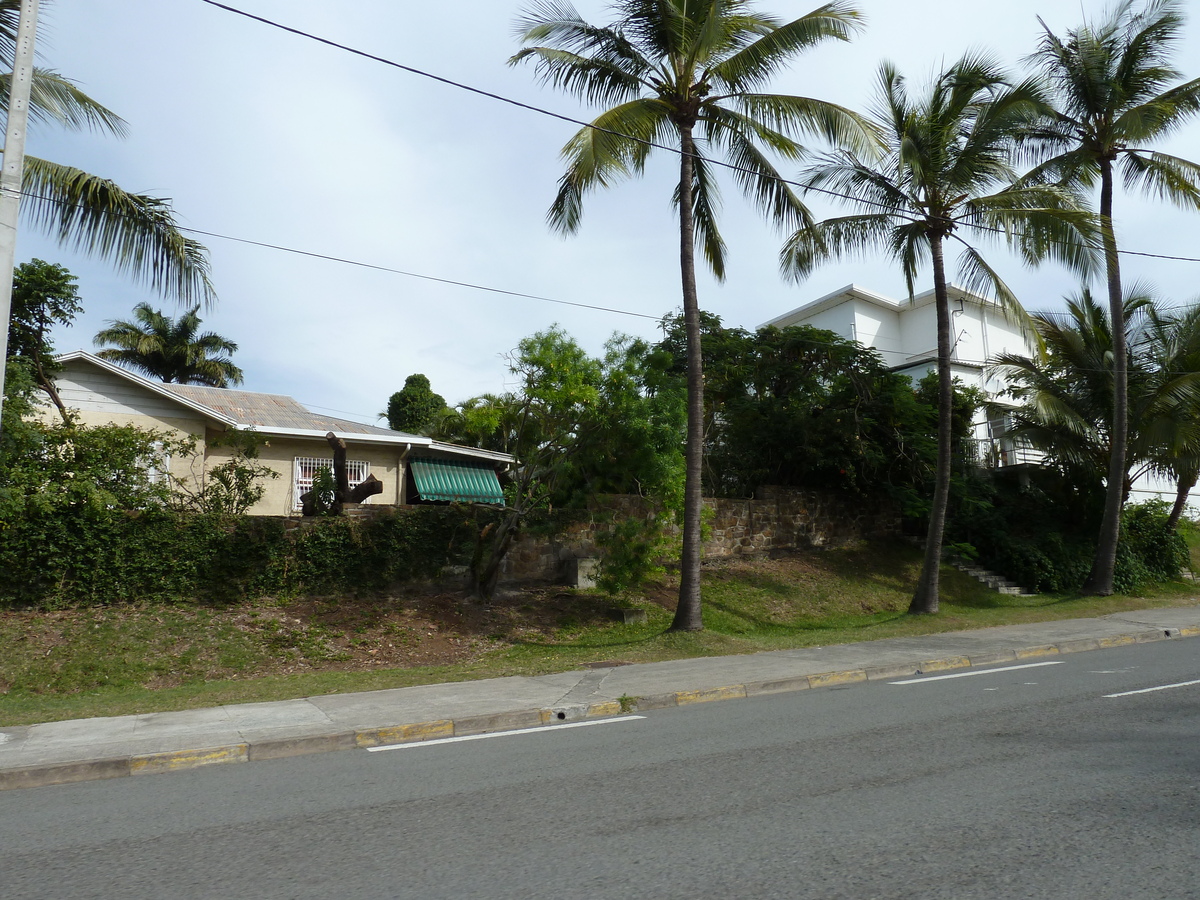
x=1025, y=782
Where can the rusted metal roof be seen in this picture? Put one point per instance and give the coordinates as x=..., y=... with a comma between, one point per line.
x=252, y=409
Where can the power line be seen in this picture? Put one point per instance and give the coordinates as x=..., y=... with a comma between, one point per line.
x=563, y=118
x=434, y=278
x=379, y=268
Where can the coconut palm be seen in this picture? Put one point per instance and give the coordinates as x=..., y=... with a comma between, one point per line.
x=1115, y=93
x=136, y=232
x=947, y=169
x=687, y=73
x=1175, y=347
x=172, y=350
x=1064, y=395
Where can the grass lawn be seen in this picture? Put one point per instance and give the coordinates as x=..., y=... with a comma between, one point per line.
x=75, y=663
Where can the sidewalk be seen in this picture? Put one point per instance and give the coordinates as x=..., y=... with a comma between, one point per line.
x=89, y=749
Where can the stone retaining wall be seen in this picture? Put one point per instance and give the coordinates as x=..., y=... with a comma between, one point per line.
x=777, y=519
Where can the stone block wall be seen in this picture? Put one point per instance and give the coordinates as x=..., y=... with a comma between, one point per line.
x=777, y=519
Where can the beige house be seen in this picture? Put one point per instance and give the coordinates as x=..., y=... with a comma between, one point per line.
x=413, y=468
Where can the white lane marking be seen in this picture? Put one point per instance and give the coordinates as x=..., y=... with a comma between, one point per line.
x=1161, y=687
x=495, y=734
x=1057, y=662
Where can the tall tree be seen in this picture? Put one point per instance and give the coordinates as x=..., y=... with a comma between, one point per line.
x=947, y=169
x=687, y=73
x=414, y=408
x=1175, y=348
x=170, y=349
x=1065, y=393
x=44, y=295
x=1115, y=93
x=578, y=426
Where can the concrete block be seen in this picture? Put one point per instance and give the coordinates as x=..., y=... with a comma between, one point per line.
x=63, y=773
x=1078, y=646
x=628, y=616
x=780, y=686
x=508, y=721
x=655, y=701
x=582, y=572
x=992, y=657
x=883, y=673
x=282, y=748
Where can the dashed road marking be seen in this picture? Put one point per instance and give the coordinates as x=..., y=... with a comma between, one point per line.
x=1161, y=687
x=1056, y=662
x=496, y=734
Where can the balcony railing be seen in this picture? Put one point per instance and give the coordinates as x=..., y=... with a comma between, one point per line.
x=999, y=453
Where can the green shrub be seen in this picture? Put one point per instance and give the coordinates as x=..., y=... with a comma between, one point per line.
x=91, y=555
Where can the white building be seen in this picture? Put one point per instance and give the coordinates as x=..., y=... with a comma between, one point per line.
x=904, y=332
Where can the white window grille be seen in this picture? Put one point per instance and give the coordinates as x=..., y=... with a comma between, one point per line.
x=306, y=468
x=158, y=466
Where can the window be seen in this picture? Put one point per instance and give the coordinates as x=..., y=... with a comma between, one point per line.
x=305, y=470
x=158, y=465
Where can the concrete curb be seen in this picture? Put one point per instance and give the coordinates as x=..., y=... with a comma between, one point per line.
x=411, y=732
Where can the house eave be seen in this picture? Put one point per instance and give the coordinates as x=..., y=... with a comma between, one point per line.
x=150, y=385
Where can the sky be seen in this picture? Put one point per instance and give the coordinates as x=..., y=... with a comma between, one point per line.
x=261, y=135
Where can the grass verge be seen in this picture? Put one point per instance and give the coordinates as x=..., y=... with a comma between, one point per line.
x=67, y=664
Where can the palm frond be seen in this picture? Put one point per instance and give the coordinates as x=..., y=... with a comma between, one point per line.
x=1163, y=176
x=753, y=171
x=833, y=238
x=596, y=81
x=615, y=148
x=137, y=232
x=754, y=64
x=705, y=203
x=836, y=124
x=57, y=99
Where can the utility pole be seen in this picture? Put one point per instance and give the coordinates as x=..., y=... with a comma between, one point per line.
x=14, y=162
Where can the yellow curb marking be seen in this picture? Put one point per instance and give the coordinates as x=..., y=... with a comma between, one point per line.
x=607, y=708
x=399, y=734
x=1189, y=632
x=941, y=665
x=825, y=679
x=733, y=692
x=1119, y=641
x=1045, y=650
x=176, y=760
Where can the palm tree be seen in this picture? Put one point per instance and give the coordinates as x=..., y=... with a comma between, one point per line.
x=1175, y=346
x=136, y=232
x=1113, y=98
x=687, y=73
x=947, y=168
x=1065, y=393
x=170, y=350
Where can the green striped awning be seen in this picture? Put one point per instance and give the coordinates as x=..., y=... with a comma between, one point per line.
x=444, y=479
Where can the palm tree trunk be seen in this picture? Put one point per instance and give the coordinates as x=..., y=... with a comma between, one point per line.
x=1100, y=579
x=688, y=615
x=925, y=598
x=1182, y=488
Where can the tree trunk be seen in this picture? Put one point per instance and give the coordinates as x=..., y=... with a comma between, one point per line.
x=1100, y=579
x=1182, y=488
x=688, y=616
x=925, y=598
x=340, y=478
x=47, y=384
x=485, y=570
